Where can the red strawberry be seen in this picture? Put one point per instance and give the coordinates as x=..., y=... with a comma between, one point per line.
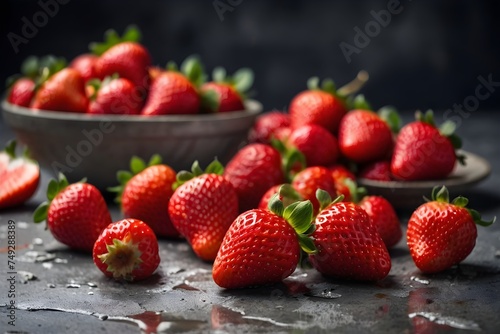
x=128, y=250
x=171, y=93
x=262, y=246
x=441, y=234
x=267, y=125
x=378, y=171
x=75, y=213
x=115, y=96
x=19, y=177
x=318, y=145
x=348, y=244
x=85, y=64
x=144, y=194
x=124, y=56
x=318, y=107
x=252, y=171
x=226, y=97
x=63, y=91
x=424, y=152
x=364, y=136
x=384, y=218
x=307, y=181
x=340, y=174
x=203, y=207
x=22, y=91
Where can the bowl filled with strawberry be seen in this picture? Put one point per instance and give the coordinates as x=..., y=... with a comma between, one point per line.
x=89, y=117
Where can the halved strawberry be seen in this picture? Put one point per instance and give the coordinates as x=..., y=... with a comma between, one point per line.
x=19, y=177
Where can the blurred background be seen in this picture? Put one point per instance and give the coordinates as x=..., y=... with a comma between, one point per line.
x=419, y=54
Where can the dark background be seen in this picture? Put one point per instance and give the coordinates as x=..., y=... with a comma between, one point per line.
x=429, y=56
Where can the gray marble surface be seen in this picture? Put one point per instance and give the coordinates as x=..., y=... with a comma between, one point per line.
x=67, y=294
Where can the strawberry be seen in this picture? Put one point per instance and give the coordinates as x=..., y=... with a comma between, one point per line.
x=263, y=246
x=115, y=96
x=364, y=136
x=340, y=174
x=19, y=177
x=377, y=170
x=348, y=244
x=380, y=211
x=203, y=207
x=441, y=234
x=424, y=152
x=266, y=126
x=63, y=91
x=226, y=93
x=22, y=87
x=252, y=171
x=75, y=213
x=124, y=56
x=127, y=250
x=307, y=181
x=85, y=64
x=22, y=91
x=144, y=193
x=171, y=93
x=318, y=145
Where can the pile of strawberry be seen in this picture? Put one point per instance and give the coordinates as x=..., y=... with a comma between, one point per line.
x=118, y=77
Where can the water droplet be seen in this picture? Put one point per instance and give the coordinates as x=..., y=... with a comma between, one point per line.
x=92, y=285
x=22, y=225
x=59, y=260
x=51, y=285
x=25, y=276
x=37, y=241
x=47, y=265
x=327, y=293
x=73, y=285
x=419, y=280
x=90, y=292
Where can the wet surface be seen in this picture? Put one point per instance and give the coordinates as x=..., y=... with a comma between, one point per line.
x=58, y=290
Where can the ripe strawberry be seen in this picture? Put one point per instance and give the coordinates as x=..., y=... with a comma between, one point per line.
x=127, y=250
x=263, y=246
x=364, y=136
x=384, y=218
x=378, y=171
x=124, y=56
x=318, y=145
x=85, y=64
x=144, y=193
x=266, y=126
x=424, y=152
x=340, y=174
x=75, y=213
x=441, y=234
x=117, y=96
x=19, y=177
x=252, y=171
x=63, y=91
x=203, y=207
x=171, y=93
x=348, y=244
x=22, y=91
x=307, y=181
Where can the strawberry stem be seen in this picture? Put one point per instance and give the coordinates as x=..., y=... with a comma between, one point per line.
x=355, y=85
x=54, y=187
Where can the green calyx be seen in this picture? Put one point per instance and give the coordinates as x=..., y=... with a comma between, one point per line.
x=38, y=69
x=111, y=38
x=10, y=150
x=55, y=187
x=137, y=165
x=441, y=194
x=390, y=115
x=447, y=129
x=299, y=215
x=325, y=200
x=215, y=167
x=357, y=193
x=292, y=160
x=122, y=258
x=192, y=68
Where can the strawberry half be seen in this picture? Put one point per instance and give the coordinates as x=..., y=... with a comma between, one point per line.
x=264, y=246
x=127, y=250
x=441, y=234
x=75, y=213
x=19, y=177
x=203, y=207
x=144, y=193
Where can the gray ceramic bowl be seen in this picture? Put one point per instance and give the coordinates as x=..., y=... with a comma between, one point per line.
x=95, y=146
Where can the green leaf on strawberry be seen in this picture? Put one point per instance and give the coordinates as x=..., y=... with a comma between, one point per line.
x=215, y=167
